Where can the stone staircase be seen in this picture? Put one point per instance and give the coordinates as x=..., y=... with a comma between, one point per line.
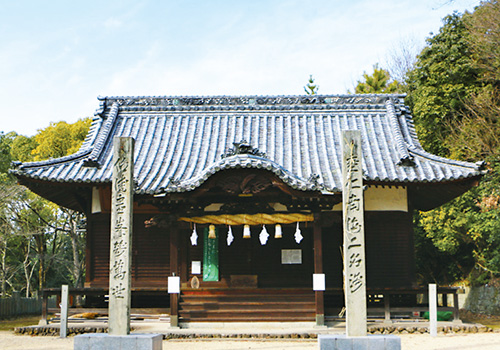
x=247, y=305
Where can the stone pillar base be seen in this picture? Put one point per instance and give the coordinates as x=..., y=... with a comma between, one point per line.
x=98, y=341
x=370, y=342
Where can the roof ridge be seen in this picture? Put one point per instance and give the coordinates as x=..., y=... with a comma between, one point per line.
x=401, y=146
x=247, y=100
x=423, y=153
x=102, y=137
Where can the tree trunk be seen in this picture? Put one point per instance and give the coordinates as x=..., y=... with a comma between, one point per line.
x=4, y=270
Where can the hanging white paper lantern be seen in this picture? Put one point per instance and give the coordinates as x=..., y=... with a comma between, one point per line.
x=298, y=235
x=194, y=236
x=277, y=231
x=230, y=237
x=246, y=231
x=263, y=235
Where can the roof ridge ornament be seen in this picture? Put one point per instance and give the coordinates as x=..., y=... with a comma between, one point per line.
x=243, y=147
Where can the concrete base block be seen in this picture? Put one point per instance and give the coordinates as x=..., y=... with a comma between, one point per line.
x=370, y=342
x=99, y=341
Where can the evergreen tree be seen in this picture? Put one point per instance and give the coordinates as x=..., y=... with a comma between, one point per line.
x=311, y=88
x=453, y=91
x=379, y=82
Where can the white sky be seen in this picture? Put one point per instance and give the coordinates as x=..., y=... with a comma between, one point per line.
x=56, y=57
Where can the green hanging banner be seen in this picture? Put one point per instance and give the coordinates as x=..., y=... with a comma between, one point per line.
x=210, y=256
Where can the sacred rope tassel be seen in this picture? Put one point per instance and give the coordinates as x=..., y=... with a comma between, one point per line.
x=263, y=235
x=230, y=237
x=298, y=235
x=194, y=236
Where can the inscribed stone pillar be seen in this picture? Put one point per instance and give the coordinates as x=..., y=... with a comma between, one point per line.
x=354, y=236
x=121, y=236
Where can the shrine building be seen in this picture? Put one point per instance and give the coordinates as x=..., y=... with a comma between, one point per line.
x=241, y=198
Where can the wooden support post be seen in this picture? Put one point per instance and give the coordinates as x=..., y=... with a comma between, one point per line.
x=318, y=269
x=43, y=321
x=444, y=297
x=183, y=258
x=174, y=267
x=387, y=308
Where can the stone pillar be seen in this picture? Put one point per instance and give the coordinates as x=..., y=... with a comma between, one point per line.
x=432, y=310
x=121, y=236
x=63, y=331
x=354, y=236
x=43, y=320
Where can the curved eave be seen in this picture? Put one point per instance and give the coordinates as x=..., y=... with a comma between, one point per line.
x=243, y=161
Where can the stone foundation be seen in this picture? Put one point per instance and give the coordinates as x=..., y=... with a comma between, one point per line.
x=118, y=342
x=370, y=342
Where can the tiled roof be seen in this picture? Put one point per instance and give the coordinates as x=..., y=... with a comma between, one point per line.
x=181, y=141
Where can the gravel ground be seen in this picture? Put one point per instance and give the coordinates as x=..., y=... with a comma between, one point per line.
x=483, y=341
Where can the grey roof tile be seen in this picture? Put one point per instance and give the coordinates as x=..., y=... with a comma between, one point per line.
x=180, y=141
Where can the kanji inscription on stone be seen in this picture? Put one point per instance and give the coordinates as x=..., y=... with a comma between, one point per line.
x=354, y=236
x=121, y=236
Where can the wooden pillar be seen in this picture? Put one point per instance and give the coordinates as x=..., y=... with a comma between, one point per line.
x=318, y=268
x=183, y=257
x=89, y=267
x=387, y=308
x=444, y=297
x=174, y=270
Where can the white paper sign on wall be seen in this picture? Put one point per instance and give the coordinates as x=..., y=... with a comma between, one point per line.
x=174, y=284
x=319, y=282
x=196, y=267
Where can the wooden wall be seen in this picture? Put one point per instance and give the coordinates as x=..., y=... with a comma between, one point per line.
x=389, y=253
x=249, y=257
x=150, y=253
x=389, y=250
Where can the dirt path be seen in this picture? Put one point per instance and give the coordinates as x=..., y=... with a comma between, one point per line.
x=482, y=341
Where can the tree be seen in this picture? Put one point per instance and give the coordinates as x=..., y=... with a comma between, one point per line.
x=60, y=139
x=311, y=88
x=376, y=83
x=5, y=156
x=37, y=237
x=22, y=148
x=455, y=99
x=484, y=38
x=401, y=60
x=443, y=77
